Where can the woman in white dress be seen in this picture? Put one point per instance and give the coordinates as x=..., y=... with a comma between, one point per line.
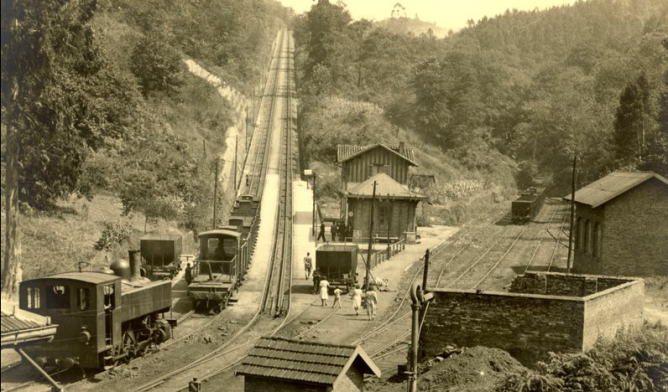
x=324, y=290
x=356, y=296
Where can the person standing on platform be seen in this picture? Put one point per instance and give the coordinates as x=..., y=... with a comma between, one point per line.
x=189, y=274
x=356, y=296
x=324, y=290
x=308, y=263
x=337, y=297
x=371, y=302
x=334, y=229
x=316, y=280
x=322, y=233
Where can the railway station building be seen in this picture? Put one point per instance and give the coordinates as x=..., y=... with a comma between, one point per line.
x=621, y=225
x=396, y=205
x=277, y=364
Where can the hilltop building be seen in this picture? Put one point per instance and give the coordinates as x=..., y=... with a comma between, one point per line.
x=622, y=225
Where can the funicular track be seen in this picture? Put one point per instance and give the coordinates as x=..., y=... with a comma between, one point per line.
x=278, y=278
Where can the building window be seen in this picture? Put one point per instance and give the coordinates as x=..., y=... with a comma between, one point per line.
x=58, y=297
x=578, y=234
x=597, y=239
x=587, y=237
x=109, y=300
x=33, y=297
x=83, y=299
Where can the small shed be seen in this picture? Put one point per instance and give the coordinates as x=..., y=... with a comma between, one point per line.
x=621, y=225
x=394, y=212
x=277, y=364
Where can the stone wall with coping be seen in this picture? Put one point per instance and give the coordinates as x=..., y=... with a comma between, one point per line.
x=529, y=324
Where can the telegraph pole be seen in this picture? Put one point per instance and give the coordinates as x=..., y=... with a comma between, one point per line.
x=368, y=251
x=570, y=235
x=215, y=196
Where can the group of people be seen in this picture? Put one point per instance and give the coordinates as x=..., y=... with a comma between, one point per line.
x=321, y=286
x=339, y=230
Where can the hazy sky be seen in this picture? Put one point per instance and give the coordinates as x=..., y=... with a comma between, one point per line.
x=448, y=14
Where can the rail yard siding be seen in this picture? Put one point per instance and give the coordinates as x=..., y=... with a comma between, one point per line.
x=634, y=233
x=609, y=310
x=531, y=324
x=527, y=326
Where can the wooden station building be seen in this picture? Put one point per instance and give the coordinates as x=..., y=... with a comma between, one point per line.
x=621, y=225
x=277, y=364
x=396, y=205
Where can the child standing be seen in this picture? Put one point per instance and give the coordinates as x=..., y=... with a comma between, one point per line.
x=337, y=297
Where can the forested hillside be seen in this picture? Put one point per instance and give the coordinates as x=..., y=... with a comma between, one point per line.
x=533, y=87
x=99, y=100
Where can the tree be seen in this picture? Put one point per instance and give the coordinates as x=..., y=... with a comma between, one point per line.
x=156, y=66
x=144, y=193
x=632, y=121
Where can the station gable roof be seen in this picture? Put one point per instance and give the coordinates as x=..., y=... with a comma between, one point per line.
x=21, y=327
x=345, y=152
x=385, y=185
x=310, y=362
x=609, y=187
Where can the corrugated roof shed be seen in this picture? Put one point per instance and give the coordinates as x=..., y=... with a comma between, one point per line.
x=614, y=184
x=302, y=361
x=385, y=185
x=19, y=326
x=348, y=151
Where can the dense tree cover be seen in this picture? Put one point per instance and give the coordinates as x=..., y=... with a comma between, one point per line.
x=58, y=94
x=103, y=100
x=537, y=86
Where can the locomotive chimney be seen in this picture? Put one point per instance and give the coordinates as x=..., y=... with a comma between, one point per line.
x=135, y=264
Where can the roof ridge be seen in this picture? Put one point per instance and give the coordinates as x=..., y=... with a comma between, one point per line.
x=277, y=338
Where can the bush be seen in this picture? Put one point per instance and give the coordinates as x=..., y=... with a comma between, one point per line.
x=113, y=235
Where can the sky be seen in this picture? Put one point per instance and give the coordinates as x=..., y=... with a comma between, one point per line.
x=448, y=14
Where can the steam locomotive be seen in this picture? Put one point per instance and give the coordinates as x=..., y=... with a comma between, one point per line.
x=104, y=318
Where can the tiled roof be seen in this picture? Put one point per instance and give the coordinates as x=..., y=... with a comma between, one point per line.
x=614, y=184
x=385, y=185
x=19, y=326
x=302, y=361
x=347, y=151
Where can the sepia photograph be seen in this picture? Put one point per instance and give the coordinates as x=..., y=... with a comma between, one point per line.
x=335, y=196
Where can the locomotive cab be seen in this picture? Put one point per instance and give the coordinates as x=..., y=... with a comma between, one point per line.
x=84, y=306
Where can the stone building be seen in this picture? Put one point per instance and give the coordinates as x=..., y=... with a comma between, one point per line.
x=542, y=313
x=276, y=364
x=395, y=209
x=621, y=225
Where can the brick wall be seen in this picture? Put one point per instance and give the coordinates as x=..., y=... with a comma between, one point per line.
x=611, y=309
x=255, y=384
x=585, y=262
x=634, y=235
x=525, y=325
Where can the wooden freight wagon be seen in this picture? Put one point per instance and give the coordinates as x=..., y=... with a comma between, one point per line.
x=161, y=254
x=338, y=263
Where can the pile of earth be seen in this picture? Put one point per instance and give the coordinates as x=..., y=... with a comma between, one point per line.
x=475, y=369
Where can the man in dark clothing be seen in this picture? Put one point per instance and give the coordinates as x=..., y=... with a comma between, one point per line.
x=189, y=274
x=316, y=281
x=322, y=233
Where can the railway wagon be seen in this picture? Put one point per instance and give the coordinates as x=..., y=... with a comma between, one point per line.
x=338, y=263
x=104, y=318
x=527, y=206
x=161, y=254
x=219, y=268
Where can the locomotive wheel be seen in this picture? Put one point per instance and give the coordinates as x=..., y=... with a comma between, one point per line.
x=128, y=346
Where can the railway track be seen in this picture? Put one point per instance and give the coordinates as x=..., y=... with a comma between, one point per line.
x=275, y=298
x=530, y=266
